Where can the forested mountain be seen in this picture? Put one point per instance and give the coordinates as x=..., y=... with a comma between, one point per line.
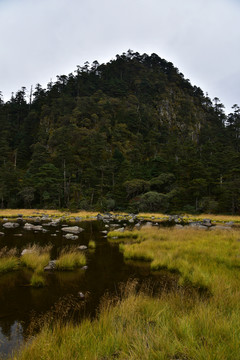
x=130, y=134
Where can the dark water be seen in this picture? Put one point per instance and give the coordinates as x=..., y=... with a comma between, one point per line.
x=106, y=270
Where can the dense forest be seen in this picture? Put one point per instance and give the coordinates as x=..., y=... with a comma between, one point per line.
x=132, y=134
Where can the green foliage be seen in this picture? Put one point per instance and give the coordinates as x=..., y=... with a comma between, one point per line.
x=153, y=201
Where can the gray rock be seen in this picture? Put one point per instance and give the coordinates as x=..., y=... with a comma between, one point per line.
x=84, y=267
x=229, y=223
x=70, y=236
x=207, y=222
x=2, y=234
x=138, y=225
x=104, y=231
x=82, y=247
x=10, y=225
x=26, y=251
x=5, y=219
x=72, y=229
x=178, y=226
x=52, y=223
x=37, y=220
x=220, y=227
x=51, y=266
x=53, y=234
x=28, y=226
x=45, y=217
x=81, y=295
x=131, y=221
x=148, y=224
x=120, y=229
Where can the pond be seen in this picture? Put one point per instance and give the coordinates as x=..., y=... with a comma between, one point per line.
x=106, y=269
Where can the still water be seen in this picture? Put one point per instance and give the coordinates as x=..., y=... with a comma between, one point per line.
x=19, y=302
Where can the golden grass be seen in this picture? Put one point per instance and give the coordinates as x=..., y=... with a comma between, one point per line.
x=87, y=215
x=171, y=326
x=8, y=260
x=36, y=258
x=37, y=280
x=182, y=325
x=69, y=259
x=203, y=258
x=123, y=235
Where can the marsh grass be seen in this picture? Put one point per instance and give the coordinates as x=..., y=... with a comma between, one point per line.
x=70, y=258
x=123, y=235
x=137, y=326
x=205, y=259
x=37, y=280
x=36, y=258
x=8, y=260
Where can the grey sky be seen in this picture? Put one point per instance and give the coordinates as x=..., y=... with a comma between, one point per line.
x=42, y=39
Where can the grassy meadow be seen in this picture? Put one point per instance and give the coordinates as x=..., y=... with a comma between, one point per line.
x=172, y=325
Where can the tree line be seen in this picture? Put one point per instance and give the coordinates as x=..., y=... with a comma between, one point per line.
x=132, y=134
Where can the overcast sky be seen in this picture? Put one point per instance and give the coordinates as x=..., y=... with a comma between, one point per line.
x=45, y=38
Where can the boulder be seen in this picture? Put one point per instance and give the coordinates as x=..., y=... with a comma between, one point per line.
x=10, y=225
x=81, y=295
x=72, y=229
x=220, y=227
x=70, y=236
x=119, y=230
x=207, y=222
x=82, y=247
x=51, y=266
x=28, y=226
x=26, y=251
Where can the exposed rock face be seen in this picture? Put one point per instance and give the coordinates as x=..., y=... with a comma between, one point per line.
x=10, y=225
x=72, y=229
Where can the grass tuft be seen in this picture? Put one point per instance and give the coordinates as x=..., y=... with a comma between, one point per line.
x=37, y=280
x=8, y=260
x=92, y=244
x=36, y=258
x=69, y=259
